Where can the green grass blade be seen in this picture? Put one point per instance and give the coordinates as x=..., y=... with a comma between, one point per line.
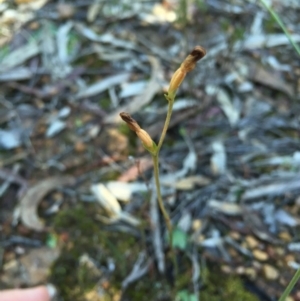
x=290, y=286
x=280, y=23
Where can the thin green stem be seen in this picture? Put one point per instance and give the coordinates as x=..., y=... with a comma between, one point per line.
x=159, y=197
x=164, y=212
x=280, y=23
x=166, y=125
x=155, y=158
x=290, y=286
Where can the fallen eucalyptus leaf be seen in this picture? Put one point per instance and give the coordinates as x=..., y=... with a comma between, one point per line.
x=227, y=106
x=132, y=89
x=55, y=127
x=231, y=209
x=10, y=139
x=111, y=205
x=19, y=56
x=218, y=159
x=153, y=86
x=107, y=200
x=189, y=183
x=33, y=196
x=123, y=191
x=102, y=85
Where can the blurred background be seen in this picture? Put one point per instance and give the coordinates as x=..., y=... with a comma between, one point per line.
x=76, y=201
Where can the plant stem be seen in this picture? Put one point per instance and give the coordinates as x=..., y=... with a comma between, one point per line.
x=280, y=23
x=155, y=158
x=159, y=197
x=290, y=286
x=156, y=168
x=164, y=213
x=166, y=125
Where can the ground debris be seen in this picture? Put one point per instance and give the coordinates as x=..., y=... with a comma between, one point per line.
x=229, y=167
x=30, y=269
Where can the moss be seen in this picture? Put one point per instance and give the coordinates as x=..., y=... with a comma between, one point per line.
x=270, y=25
x=105, y=102
x=85, y=235
x=224, y=288
x=201, y=4
x=148, y=289
x=216, y=288
x=92, y=61
x=182, y=13
x=111, y=175
x=88, y=236
x=238, y=33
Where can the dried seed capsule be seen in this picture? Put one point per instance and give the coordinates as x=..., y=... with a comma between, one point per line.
x=176, y=81
x=187, y=65
x=142, y=134
x=190, y=62
x=145, y=138
x=132, y=124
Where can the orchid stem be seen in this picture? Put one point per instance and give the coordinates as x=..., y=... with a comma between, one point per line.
x=166, y=125
x=159, y=197
x=187, y=65
x=155, y=158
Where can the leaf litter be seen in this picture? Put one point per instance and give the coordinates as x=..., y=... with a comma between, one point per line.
x=234, y=172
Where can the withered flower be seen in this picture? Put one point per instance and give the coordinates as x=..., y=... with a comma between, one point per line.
x=132, y=124
x=142, y=134
x=187, y=65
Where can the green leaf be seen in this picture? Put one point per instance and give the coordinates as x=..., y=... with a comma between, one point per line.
x=184, y=295
x=193, y=297
x=182, y=131
x=51, y=241
x=180, y=239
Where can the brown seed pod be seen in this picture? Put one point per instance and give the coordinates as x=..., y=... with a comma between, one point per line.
x=142, y=134
x=176, y=80
x=132, y=124
x=187, y=65
x=145, y=138
x=198, y=53
x=190, y=62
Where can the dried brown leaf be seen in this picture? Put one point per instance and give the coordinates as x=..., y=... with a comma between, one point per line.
x=267, y=78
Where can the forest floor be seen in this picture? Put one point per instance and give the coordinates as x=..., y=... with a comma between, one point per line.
x=77, y=206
